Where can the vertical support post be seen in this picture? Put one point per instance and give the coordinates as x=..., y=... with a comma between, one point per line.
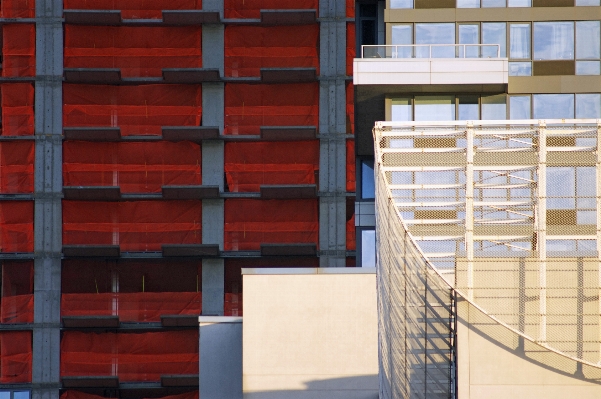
x=47, y=199
x=332, y=131
x=598, y=198
x=213, y=105
x=469, y=210
x=541, y=229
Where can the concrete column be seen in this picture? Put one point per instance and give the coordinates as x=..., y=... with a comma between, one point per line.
x=47, y=199
x=332, y=131
x=213, y=270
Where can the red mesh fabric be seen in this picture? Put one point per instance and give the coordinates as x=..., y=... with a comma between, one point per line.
x=18, y=8
x=249, y=165
x=350, y=8
x=249, y=48
x=17, y=109
x=233, y=305
x=18, y=50
x=134, y=9
x=351, y=239
x=134, y=167
x=137, y=51
x=248, y=107
x=134, y=226
x=252, y=8
x=15, y=357
x=136, y=307
x=16, y=304
x=350, y=166
x=350, y=109
x=249, y=222
x=137, y=110
x=83, y=395
x=131, y=357
x=16, y=226
x=16, y=167
x=350, y=47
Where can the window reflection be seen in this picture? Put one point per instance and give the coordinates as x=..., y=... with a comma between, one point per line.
x=494, y=33
x=554, y=40
x=519, y=41
x=434, y=108
x=553, y=106
x=436, y=33
x=368, y=248
x=367, y=180
x=519, y=107
x=588, y=106
x=493, y=107
x=401, y=3
x=469, y=34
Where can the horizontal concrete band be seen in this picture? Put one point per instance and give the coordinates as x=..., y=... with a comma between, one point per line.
x=300, y=270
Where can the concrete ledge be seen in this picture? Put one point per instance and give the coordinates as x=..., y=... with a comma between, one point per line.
x=309, y=270
x=219, y=319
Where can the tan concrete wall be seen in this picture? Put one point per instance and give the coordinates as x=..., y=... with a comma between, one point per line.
x=310, y=333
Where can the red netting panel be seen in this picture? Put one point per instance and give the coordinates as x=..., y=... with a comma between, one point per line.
x=252, y=8
x=17, y=8
x=131, y=357
x=350, y=47
x=18, y=50
x=350, y=8
x=137, y=51
x=135, y=307
x=82, y=395
x=16, y=167
x=249, y=165
x=15, y=357
x=232, y=305
x=16, y=226
x=250, y=48
x=249, y=222
x=137, y=110
x=350, y=109
x=135, y=226
x=350, y=166
x=17, y=109
x=16, y=304
x=134, y=167
x=351, y=238
x=134, y=9
x=248, y=107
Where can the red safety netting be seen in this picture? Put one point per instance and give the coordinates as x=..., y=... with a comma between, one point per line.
x=17, y=109
x=82, y=395
x=16, y=226
x=350, y=8
x=134, y=9
x=16, y=304
x=250, y=48
x=18, y=50
x=248, y=107
x=249, y=222
x=137, y=51
x=232, y=306
x=17, y=8
x=249, y=165
x=350, y=47
x=134, y=167
x=16, y=167
x=350, y=166
x=350, y=109
x=134, y=226
x=351, y=239
x=15, y=357
x=252, y=8
x=135, y=307
x=130, y=356
x=137, y=110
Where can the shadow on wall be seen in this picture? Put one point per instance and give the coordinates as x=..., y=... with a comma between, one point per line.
x=356, y=387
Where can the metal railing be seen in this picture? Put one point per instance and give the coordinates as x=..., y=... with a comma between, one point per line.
x=431, y=51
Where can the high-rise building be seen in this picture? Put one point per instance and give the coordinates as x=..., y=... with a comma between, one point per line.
x=150, y=149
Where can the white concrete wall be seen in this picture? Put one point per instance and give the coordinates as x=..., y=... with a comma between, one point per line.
x=310, y=333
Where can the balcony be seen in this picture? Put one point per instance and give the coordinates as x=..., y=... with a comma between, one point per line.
x=431, y=64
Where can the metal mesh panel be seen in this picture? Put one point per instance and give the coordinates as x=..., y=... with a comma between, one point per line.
x=502, y=220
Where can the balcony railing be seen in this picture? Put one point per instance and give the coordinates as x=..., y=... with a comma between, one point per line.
x=431, y=51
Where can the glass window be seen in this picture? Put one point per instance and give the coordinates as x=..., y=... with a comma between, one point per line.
x=519, y=107
x=468, y=3
x=368, y=248
x=401, y=110
x=469, y=34
x=588, y=2
x=588, y=106
x=519, y=41
x=553, y=106
x=437, y=33
x=4, y=394
x=588, y=68
x=493, y=107
x=587, y=40
x=520, y=68
x=519, y=3
x=561, y=188
x=434, y=108
x=367, y=180
x=468, y=108
x=494, y=33
x=493, y=3
x=401, y=3
x=403, y=34
x=21, y=395
x=554, y=40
